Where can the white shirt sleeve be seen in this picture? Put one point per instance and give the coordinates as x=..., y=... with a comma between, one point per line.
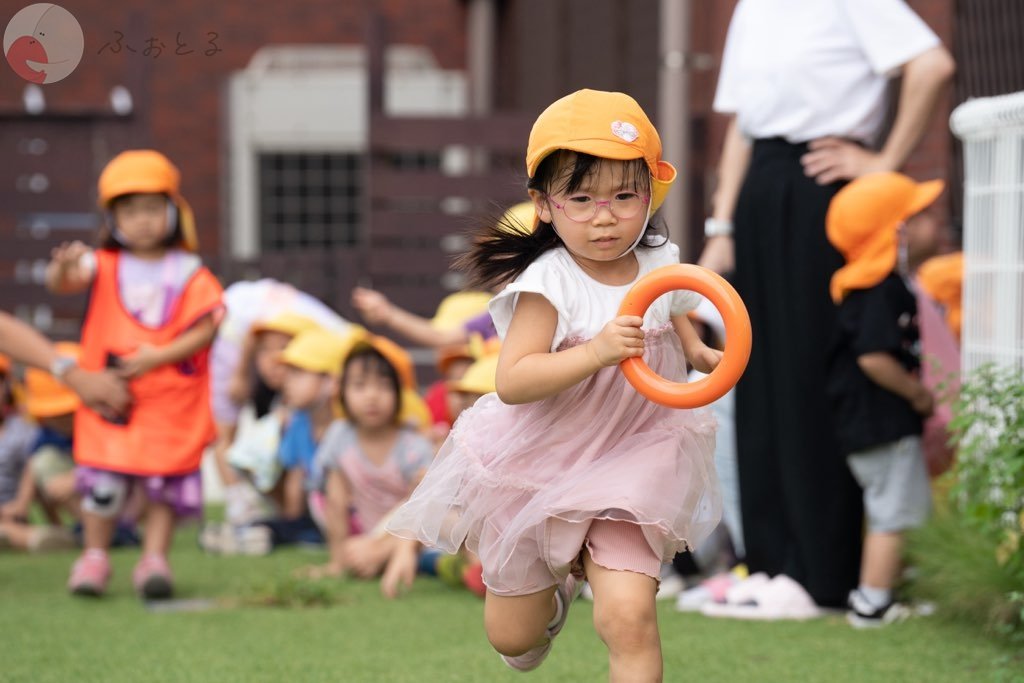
x=889, y=32
x=727, y=96
x=682, y=301
x=540, y=277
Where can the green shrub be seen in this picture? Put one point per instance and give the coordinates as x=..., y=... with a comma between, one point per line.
x=970, y=557
x=988, y=490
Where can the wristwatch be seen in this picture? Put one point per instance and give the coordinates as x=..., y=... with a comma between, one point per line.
x=61, y=365
x=717, y=227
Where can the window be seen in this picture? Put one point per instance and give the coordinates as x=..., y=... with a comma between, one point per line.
x=310, y=200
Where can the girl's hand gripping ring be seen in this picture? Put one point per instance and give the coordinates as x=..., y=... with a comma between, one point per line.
x=737, y=332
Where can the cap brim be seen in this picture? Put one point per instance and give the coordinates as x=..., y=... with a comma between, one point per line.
x=925, y=195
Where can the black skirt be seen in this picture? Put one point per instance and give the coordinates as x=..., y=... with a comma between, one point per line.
x=801, y=507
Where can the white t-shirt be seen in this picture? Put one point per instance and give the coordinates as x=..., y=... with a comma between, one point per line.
x=804, y=69
x=585, y=305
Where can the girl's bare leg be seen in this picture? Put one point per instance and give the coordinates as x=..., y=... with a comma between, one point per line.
x=97, y=531
x=516, y=625
x=159, y=529
x=626, y=620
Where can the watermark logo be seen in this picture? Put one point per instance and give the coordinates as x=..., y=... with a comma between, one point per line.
x=43, y=43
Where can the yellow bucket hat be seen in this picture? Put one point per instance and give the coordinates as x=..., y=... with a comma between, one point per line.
x=455, y=309
x=285, y=323
x=148, y=171
x=863, y=220
x=479, y=377
x=521, y=218
x=415, y=411
x=610, y=125
x=316, y=350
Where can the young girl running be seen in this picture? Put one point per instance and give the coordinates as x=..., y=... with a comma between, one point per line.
x=152, y=315
x=567, y=471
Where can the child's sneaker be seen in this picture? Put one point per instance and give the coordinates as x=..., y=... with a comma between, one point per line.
x=90, y=574
x=222, y=538
x=44, y=539
x=565, y=593
x=864, y=614
x=152, y=578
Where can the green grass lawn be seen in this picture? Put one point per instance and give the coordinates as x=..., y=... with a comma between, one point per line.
x=432, y=634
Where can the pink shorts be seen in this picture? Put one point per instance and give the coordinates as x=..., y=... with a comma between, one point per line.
x=612, y=544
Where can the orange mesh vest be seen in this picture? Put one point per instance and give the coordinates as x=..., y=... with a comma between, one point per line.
x=170, y=422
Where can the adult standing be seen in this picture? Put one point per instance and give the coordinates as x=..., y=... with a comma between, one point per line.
x=805, y=83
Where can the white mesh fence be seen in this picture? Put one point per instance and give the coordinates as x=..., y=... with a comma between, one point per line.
x=992, y=130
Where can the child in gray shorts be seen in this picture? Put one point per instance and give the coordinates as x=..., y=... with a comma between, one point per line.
x=873, y=378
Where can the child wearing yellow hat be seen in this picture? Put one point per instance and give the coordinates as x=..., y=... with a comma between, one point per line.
x=368, y=462
x=458, y=317
x=567, y=470
x=310, y=365
x=153, y=312
x=243, y=358
x=879, y=400
x=257, y=378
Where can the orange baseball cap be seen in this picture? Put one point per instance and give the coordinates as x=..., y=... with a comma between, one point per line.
x=863, y=222
x=610, y=125
x=148, y=171
x=45, y=396
x=942, y=278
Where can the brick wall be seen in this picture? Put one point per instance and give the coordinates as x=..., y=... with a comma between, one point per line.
x=180, y=99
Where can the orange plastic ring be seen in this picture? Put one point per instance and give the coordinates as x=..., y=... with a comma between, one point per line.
x=737, y=331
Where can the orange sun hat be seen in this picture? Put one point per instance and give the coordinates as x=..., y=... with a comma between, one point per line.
x=863, y=223
x=148, y=171
x=942, y=277
x=610, y=125
x=45, y=396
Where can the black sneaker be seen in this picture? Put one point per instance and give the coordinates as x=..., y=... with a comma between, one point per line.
x=864, y=614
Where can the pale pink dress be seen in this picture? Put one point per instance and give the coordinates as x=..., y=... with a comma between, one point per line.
x=520, y=484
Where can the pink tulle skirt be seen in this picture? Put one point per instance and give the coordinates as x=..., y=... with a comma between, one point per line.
x=519, y=485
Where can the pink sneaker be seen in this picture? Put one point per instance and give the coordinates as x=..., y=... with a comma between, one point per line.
x=90, y=573
x=565, y=593
x=152, y=578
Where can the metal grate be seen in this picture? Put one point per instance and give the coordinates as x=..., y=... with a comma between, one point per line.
x=310, y=200
x=992, y=130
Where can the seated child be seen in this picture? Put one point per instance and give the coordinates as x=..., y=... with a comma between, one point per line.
x=367, y=464
x=309, y=365
x=52, y=405
x=17, y=489
x=248, y=462
x=464, y=568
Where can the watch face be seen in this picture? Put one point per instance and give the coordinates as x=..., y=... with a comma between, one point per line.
x=60, y=365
